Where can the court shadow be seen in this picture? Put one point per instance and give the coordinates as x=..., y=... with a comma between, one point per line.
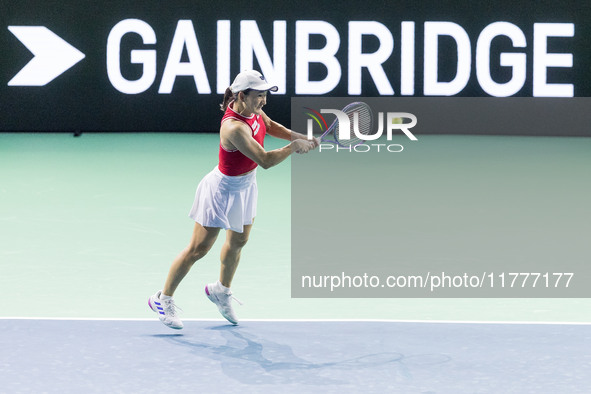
x=224, y=327
x=250, y=359
x=166, y=335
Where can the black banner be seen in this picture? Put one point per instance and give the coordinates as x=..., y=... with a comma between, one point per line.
x=163, y=66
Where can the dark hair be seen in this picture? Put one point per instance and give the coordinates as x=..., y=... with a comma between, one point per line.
x=229, y=97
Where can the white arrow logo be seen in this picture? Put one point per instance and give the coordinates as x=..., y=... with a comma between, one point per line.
x=52, y=56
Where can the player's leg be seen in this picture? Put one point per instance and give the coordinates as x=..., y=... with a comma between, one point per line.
x=201, y=242
x=219, y=293
x=230, y=256
x=162, y=302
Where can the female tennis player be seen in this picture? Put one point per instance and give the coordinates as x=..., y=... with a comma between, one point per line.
x=226, y=198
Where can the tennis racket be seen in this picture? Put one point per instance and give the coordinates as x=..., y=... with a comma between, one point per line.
x=360, y=120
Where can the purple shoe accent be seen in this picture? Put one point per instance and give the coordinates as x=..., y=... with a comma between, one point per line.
x=206, y=291
x=150, y=304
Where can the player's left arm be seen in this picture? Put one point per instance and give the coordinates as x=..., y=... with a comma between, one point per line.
x=277, y=130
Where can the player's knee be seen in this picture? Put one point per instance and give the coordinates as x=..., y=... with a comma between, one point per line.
x=238, y=242
x=198, y=251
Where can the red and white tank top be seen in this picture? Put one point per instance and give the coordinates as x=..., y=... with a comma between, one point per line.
x=233, y=162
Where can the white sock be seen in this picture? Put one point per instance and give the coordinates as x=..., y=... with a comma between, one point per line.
x=223, y=288
x=164, y=297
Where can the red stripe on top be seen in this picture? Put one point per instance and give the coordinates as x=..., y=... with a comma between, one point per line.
x=234, y=163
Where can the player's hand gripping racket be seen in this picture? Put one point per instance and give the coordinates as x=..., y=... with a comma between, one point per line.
x=360, y=123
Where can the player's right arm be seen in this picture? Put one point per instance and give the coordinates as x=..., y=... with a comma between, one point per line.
x=237, y=135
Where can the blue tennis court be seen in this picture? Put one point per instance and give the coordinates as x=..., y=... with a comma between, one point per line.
x=70, y=356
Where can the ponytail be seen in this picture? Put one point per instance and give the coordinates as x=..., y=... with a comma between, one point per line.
x=228, y=97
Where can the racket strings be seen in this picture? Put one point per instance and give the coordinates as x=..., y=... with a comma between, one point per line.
x=360, y=122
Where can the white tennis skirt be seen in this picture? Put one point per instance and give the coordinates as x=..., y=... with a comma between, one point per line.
x=228, y=202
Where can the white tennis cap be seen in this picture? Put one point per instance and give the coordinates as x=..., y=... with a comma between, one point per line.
x=251, y=79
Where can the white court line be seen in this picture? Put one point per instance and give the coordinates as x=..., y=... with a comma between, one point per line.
x=310, y=320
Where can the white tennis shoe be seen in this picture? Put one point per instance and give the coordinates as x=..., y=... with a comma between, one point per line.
x=223, y=300
x=166, y=310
